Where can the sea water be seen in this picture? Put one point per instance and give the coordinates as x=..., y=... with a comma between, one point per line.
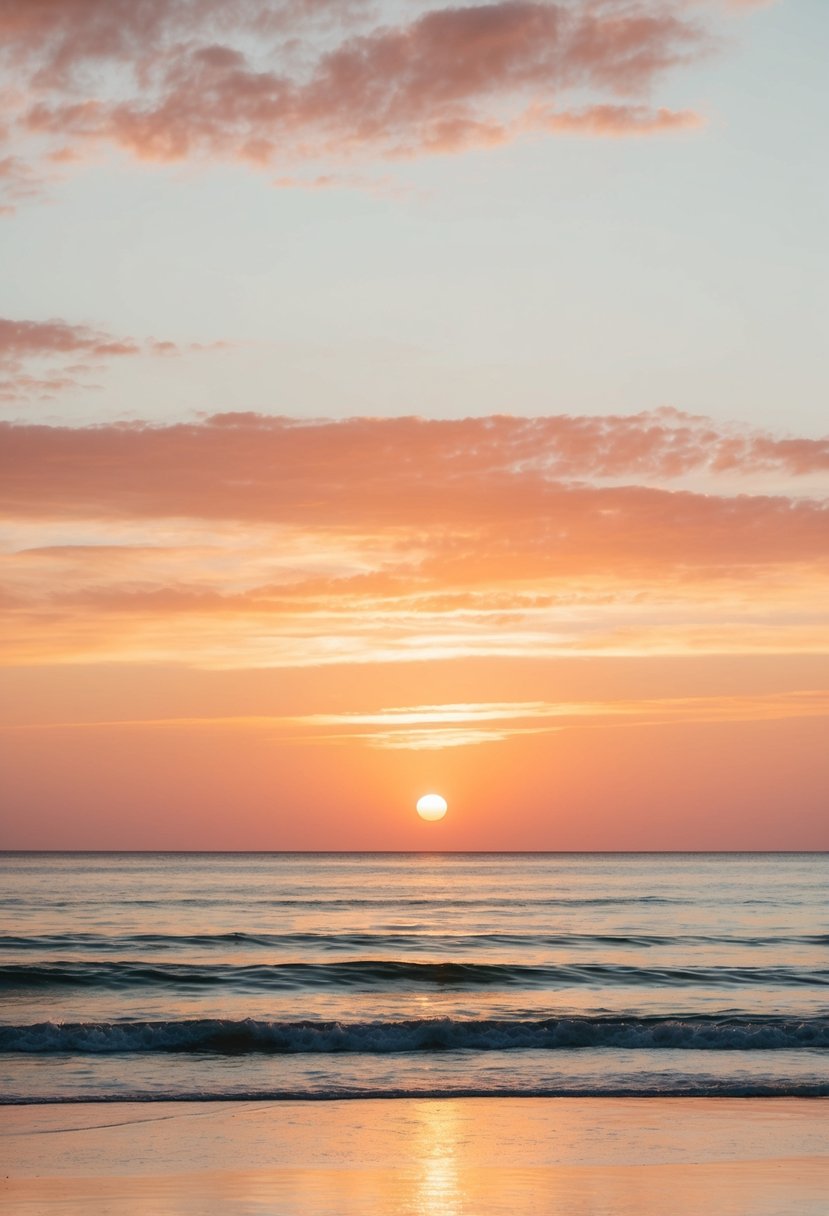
x=192, y=976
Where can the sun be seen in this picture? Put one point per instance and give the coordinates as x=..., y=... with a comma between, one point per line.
x=431, y=807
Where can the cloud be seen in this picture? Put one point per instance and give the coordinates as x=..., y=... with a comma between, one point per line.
x=409, y=470
x=20, y=182
x=40, y=359
x=255, y=541
x=27, y=338
x=622, y=120
x=286, y=85
x=435, y=727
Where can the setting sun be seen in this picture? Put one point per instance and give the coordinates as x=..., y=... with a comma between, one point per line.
x=431, y=807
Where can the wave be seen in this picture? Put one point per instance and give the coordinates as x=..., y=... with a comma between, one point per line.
x=250, y=1036
x=377, y=973
x=390, y=940
x=358, y=901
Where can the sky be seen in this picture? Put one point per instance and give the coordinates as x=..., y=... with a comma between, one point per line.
x=398, y=397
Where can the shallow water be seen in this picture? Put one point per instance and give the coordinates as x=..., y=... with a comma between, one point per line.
x=207, y=975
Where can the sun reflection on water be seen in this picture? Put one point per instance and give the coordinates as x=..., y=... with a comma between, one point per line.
x=435, y=1148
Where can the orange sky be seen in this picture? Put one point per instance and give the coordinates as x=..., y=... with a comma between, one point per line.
x=252, y=632
x=415, y=396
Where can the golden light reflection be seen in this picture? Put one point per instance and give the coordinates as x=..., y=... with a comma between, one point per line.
x=436, y=1149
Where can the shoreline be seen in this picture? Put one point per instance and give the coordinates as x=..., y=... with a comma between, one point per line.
x=402, y=1157
x=821, y=1094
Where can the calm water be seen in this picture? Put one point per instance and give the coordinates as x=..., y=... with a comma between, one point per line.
x=185, y=976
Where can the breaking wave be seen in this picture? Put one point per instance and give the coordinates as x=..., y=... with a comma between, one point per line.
x=249, y=1036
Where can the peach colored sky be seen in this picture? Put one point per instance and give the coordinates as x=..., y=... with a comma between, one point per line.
x=234, y=620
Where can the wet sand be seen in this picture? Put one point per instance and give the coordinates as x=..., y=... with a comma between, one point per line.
x=419, y=1157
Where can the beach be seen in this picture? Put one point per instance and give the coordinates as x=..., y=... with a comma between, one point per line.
x=442, y=1157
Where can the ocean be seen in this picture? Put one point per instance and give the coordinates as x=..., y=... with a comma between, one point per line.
x=148, y=977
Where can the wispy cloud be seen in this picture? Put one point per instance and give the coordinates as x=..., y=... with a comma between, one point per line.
x=439, y=726
x=41, y=359
x=615, y=120
x=435, y=727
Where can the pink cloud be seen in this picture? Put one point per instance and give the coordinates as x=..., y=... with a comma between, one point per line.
x=40, y=359
x=297, y=83
x=247, y=540
x=427, y=86
x=405, y=470
x=610, y=120
x=19, y=181
x=26, y=338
